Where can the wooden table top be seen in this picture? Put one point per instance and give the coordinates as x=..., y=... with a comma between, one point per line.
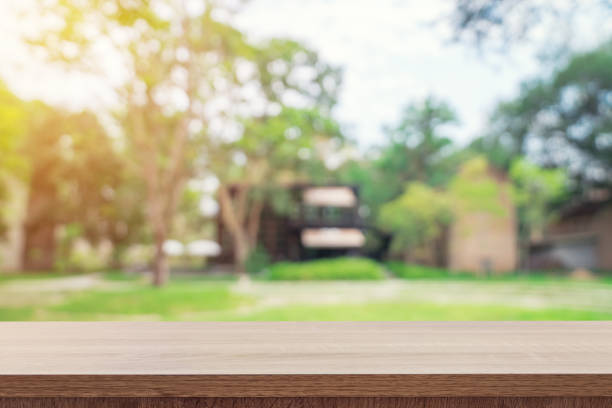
x=317, y=359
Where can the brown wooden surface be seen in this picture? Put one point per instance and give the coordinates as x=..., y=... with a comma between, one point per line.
x=474, y=402
x=411, y=359
x=335, y=385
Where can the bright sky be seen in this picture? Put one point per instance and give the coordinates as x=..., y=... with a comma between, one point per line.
x=390, y=52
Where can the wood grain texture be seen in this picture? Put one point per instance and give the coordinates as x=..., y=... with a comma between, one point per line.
x=292, y=385
x=307, y=348
x=474, y=402
x=356, y=359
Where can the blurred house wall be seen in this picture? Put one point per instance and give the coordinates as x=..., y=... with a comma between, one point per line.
x=485, y=241
x=13, y=212
x=604, y=229
x=580, y=238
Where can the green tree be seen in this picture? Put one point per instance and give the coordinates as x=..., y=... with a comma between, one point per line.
x=176, y=59
x=476, y=188
x=73, y=171
x=281, y=143
x=122, y=218
x=13, y=122
x=561, y=121
x=415, y=218
x=417, y=143
x=274, y=151
x=181, y=64
x=417, y=149
x=536, y=190
x=499, y=24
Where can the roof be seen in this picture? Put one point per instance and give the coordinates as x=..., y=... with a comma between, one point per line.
x=585, y=207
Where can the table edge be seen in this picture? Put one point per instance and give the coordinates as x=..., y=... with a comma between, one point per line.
x=308, y=385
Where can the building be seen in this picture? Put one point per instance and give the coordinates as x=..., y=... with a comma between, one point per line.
x=581, y=237
x=482, y=237
x=324, y=222
x=485, y=241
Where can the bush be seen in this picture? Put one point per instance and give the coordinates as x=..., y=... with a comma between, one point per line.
x=411, y=271
x=257, y=261
x=327, y=269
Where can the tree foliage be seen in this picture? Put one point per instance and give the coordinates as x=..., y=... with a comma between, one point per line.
x=13, y=122
x=536, y=190
x=417, y=143
x=73, y=175
x=417, y=149
x=188, y=75
x=196, y=98
x=499, y=24
x=416, y=217
x=284, y=121
x=564, y=121
x=475, y=188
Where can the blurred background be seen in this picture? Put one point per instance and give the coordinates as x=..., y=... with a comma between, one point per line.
x=305, y=160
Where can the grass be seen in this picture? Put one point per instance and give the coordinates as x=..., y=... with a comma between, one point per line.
x=169, y=303
x=406, y=311
x=326, y=269
x=35, y=275
x=15, y=314
x=418, y=272
x=423, y=295
x=120, y=276
x=410, y=271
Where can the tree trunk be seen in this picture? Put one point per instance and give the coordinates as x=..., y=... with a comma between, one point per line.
x=160, y=234
x=39, y=244
x=242, y=222
x=233, y=217
x=160, y=262
x=39, y=247
x=117, y=255
x=164, y=185
x=254, y=222
x=524, y=240
x=241, y=253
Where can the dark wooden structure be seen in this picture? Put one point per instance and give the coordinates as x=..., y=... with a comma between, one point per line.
x=580, y=237
x=282, y=234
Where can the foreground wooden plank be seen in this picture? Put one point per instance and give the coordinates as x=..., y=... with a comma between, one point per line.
x=386, y=359
x=474, y=402
x=306, y=348
x=335, y=385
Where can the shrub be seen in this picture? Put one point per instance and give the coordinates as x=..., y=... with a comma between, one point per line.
x=257, y=261
x=411, y=271
x=327, y=269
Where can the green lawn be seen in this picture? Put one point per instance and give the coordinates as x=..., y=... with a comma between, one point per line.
x=114, y=296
